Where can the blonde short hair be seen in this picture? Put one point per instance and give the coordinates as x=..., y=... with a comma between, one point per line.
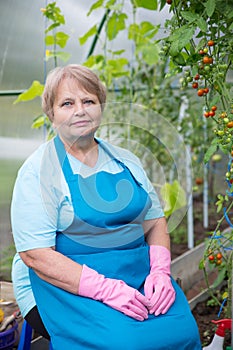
x=87, y=79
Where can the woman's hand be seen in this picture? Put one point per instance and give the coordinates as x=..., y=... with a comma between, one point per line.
x=113, y=292
x=158, y=287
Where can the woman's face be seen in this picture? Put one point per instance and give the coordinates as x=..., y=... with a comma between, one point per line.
x=77, y=113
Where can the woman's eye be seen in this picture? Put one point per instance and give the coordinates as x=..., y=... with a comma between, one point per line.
x=66, y=103
x=88, y=102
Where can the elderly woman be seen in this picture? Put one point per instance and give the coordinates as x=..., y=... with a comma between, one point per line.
x=92, y=269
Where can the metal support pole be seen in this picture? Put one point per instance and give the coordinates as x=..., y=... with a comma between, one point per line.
x=205, y=182
x=190, y=227
x=189, y=194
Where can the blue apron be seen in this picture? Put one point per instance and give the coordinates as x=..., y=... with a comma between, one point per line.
x=106, y=234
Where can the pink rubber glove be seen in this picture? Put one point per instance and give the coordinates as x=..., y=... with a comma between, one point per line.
x=158, y=287
x=114, y=293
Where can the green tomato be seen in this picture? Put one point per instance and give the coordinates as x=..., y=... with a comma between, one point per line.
x=207, y=68
x=220, y=74
x=223, y=66
x=216, y=157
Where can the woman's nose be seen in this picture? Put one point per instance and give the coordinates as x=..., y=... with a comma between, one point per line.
x=79, y=109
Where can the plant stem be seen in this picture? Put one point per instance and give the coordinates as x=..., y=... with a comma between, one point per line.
x=210, y=291
x=96, y=37
x=221, y=220
x=229, y=285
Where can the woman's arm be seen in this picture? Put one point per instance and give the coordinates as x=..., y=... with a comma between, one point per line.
x=53, y=267
x=64, y=273
x=156, y=232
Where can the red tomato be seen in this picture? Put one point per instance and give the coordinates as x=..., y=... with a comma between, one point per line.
x=210, y=43
x=200, y=92
x=211, y=113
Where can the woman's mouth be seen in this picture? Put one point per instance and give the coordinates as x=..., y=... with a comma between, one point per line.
x=80, y=123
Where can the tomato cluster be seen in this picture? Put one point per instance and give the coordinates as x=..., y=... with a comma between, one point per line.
x=210, y=69
x=229, y=173
x=224, y=131
x=215, y=259
x=210, y=113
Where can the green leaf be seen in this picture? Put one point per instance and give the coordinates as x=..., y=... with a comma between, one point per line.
x=202, y=264
x=210, y=151
x=53, y=13
x=150, y=53
x=223, y=149
x=38, y=122
x=117, y=65
x=201, y=23
x=189, y=16
x=147, y=4
x=49, y=40
x=210, y=7
x=231, y=27
x=118, y=52
x=110, y=4
x=180, y=38
x=219, y=207
x=229, y=14
x=92, y=31
x=186, y=36
x=115, y=24
x=64, y=56
x=220, y=277
x=142, y=32
x=61, y=39
x=162, y=4
x=53, y=26
x=50, y=134
x=148, y=30
x=174, y=48
x=133, y=31
x=179, y=59
x=36, y=89
x=174, y=197
x=95, y=62
x=95, y=6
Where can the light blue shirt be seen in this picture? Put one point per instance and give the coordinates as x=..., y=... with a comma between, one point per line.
x=41, y=204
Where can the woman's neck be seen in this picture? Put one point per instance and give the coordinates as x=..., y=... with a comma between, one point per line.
x=84, y=149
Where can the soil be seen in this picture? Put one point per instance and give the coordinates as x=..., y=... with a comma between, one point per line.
x=202, y=312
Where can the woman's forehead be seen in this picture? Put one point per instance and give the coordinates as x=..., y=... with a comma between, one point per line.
x=72, y=85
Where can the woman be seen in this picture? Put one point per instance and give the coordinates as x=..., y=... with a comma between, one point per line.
x=93, y=264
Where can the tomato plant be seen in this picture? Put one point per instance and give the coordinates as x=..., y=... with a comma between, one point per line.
x=202, y=50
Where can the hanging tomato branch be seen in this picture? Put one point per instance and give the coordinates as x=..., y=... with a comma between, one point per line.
x=199, y=47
